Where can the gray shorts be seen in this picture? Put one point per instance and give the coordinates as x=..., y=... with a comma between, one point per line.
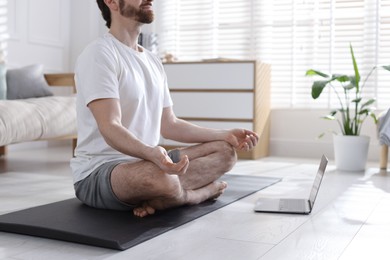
x=96, y=191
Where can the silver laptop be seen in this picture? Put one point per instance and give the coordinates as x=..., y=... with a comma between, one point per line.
x=297, y=206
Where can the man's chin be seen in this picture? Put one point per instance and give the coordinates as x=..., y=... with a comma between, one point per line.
x=147, y=18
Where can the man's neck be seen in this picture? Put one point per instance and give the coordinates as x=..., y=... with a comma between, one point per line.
x=127, y=35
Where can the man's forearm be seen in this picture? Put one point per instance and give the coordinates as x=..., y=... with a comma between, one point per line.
x=186, y=132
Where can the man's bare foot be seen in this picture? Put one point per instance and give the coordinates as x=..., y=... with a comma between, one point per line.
x=221, y=188
x=192, y=197
x=209, y=192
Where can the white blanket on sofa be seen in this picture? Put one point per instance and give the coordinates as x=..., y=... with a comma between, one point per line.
x=37, y=118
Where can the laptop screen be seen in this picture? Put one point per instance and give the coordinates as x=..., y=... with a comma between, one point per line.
x=318, y=179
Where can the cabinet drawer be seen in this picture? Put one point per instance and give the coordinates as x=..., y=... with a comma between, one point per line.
x=211, y=75
x=213, y=105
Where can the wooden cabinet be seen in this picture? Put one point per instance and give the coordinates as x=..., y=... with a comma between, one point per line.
x=223, y=95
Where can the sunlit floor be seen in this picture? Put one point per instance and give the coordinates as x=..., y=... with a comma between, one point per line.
x=350, y=220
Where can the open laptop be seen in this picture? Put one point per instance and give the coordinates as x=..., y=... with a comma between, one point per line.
x=297, y=206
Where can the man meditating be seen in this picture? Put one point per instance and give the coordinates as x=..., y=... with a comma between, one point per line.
x=123, y=105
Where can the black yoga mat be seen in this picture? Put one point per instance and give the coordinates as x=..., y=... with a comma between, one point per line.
x=72, y=221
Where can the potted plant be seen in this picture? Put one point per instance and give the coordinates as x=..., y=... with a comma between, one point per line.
x=350, y=148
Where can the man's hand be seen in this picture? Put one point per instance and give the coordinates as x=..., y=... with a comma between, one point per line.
x=160, y=157
x=242, y=139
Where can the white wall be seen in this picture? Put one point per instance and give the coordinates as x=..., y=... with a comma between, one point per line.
x=39, y=33
x=294, y=133
x=86, y=24
x=51, y=32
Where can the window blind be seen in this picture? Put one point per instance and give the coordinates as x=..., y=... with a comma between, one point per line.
x=293, y=36
x=205, y=29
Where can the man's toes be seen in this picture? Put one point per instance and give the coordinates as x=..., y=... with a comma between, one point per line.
x=143, y=211
x=139, y=212
x=149, y=210
x=223, y=185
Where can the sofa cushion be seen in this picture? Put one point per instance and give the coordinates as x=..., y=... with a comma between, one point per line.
x=27, y=82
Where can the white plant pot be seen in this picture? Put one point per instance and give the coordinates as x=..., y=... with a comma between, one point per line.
x=351, y=152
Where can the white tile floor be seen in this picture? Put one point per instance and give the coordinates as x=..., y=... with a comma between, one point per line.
x=351, y=218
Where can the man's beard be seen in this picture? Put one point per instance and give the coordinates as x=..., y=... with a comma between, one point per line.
x=139, y=14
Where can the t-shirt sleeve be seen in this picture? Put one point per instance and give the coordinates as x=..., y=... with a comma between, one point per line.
x=96, y=74
x=167, y=96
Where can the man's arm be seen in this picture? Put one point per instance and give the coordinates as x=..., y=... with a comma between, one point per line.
x=107, y=114
x=182, y=131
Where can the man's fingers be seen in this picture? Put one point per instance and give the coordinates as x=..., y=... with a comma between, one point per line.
x=249, y=142
x=254, y=140
x=181, y=164
x=178, y=168
x=243, y=146
x=185, y=165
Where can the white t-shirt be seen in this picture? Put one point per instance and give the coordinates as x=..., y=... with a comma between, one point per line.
x=109, y=69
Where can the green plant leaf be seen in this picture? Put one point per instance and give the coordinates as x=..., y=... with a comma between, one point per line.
x=369, y=102
x=341, y=78
x=355, y=67
x=367, y=111
x=374, y=117
x=364, y=112
x=321, y=135
x=317, y=88
x=349, y=86
x=387, y=67
x=312, y=72
x=357, y=100
x=334, y=112
x=329, y=117
x=354, y=82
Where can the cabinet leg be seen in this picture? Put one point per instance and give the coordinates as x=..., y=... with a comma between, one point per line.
x=3, y=150
x=384, y=157
x=74, y=144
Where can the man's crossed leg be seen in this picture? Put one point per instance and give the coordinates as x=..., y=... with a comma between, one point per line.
x=144, y=184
